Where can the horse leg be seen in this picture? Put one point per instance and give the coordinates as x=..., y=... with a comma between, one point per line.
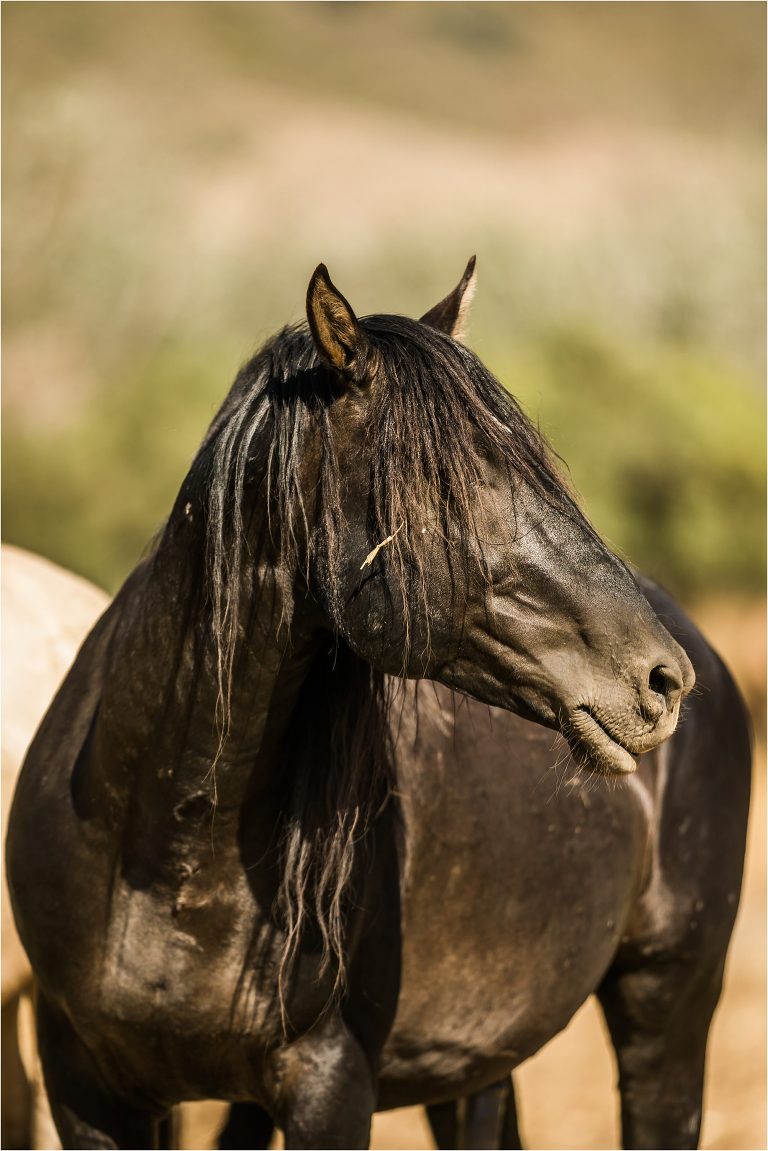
x=445, y=1121
x=86, y=1113
x=169, y=1131
x=325, y=1087
x=510, y=1129
x=490, y=1119
x=486, y=1119
x=248, y=1128
x=659, y=1017
x=18, y=1095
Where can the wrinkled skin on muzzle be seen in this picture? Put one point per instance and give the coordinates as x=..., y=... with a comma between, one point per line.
x=568, y=639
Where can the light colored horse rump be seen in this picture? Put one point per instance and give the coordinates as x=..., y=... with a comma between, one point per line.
x=46, y=614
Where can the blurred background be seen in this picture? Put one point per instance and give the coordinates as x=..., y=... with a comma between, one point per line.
x=174, y=172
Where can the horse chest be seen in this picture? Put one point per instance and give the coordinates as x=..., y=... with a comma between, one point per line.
x=514, y=906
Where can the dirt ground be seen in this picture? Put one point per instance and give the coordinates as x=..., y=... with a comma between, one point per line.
x=566, y=1093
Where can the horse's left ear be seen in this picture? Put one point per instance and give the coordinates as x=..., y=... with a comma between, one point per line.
x=338, y=337
x=450, y=315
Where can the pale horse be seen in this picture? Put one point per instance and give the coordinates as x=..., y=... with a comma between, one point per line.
x=46, y=614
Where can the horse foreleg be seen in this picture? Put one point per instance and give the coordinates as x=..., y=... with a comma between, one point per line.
x=87, y=1114
x=325, y=1090
x=659, y=1018
x=248, y=1127
x=486, y=1119
x=17, y=1091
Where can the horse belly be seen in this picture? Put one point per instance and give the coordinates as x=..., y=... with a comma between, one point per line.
x=468, y=1017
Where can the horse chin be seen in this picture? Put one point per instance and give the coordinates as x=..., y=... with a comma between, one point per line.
x=594, y=748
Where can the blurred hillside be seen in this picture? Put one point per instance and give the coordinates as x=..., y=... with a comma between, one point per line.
x=174, y=172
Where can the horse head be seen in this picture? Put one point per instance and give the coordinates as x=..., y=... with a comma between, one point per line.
x=455, y=551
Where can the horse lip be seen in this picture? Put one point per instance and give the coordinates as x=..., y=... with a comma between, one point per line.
x=588, y=737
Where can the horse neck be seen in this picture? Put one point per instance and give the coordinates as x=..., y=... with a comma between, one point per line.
x=159, y=731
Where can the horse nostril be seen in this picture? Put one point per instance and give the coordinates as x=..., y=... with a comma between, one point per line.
x=666, y=683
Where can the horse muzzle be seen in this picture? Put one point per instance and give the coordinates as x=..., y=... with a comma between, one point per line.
x=602, y=741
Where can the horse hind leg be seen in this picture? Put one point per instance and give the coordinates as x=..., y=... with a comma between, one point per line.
x=496, y=1117
x=659, y=1018
x=87, y=1115
x=486, y=1119
x=445, y=1122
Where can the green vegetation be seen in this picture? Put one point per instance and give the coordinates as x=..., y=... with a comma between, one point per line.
x=173, y=172
x=665, y=451
x=92, y=495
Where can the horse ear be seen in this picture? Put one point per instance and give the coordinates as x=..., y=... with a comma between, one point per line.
x=338, y=337
x=450, y=315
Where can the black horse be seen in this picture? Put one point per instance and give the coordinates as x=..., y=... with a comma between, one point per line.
x=530, y=885
x=243, y=879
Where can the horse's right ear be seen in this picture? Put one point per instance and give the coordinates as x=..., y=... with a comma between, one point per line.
x=337, y=335
x=450, y=315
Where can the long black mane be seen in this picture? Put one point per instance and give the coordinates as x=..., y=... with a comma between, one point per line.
x=433, y=408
